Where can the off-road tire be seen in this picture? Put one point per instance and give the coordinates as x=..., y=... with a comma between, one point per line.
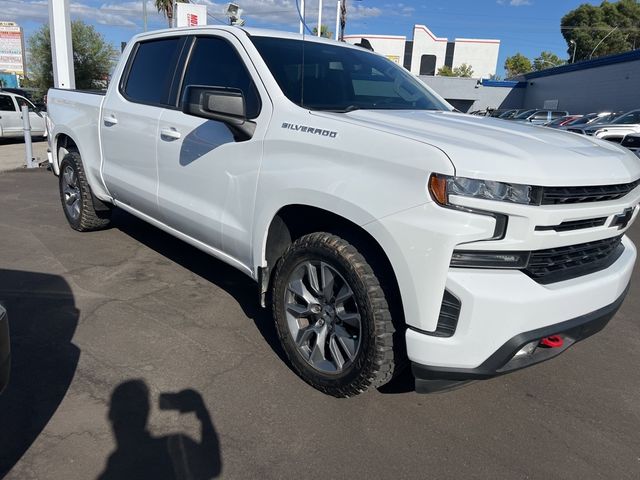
x=374, y=363
x=89, y=219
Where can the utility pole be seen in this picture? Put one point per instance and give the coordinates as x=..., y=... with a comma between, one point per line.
x=144, y=14
x=61, y=45
x=337, y=34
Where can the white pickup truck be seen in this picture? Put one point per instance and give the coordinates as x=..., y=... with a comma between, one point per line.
x=380, y=225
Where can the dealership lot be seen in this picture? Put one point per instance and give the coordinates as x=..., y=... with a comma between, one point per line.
x=91, y=311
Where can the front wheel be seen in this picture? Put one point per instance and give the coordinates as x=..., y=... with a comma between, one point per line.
x=332, y=316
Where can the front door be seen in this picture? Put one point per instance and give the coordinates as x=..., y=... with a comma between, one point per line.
x=207, y=176
x=10, y=118
x=129, y=123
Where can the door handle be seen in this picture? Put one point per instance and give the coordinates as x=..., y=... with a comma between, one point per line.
x=170, y=133
x=109, y=120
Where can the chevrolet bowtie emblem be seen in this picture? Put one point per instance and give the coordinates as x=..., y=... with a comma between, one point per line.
x=623, y=219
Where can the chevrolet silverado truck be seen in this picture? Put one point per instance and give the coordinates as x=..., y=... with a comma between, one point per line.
x=384, y=229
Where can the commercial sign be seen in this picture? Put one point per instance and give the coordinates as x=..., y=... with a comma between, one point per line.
x=11, y=48
x=190, y=15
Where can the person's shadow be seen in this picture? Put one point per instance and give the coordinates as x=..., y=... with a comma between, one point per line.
x=140, y=455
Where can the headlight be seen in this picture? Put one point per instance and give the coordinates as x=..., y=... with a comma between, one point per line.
x=442, y=186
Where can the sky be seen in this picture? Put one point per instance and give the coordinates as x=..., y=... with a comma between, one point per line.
x=525, y=26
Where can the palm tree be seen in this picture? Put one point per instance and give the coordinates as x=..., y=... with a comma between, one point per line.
x=343, y=19
x=166, y=8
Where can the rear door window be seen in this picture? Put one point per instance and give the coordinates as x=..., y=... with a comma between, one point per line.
x=151, y=72
x=6, y=104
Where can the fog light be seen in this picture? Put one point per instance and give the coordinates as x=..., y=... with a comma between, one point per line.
x=479, y=259
x=528, y=349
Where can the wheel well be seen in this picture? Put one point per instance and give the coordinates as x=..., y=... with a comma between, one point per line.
x=294, y=221
x=65, y=142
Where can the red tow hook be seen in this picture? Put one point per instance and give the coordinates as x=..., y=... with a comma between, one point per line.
x=554, y=341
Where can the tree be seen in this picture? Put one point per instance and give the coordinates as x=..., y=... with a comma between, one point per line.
x=547, y=60
x=611, y=27
x=517, y=65
x=92, y=57
x=446, y=71
x=495, y=77
x=324, y=31
x=165, y=7
x=463, y=70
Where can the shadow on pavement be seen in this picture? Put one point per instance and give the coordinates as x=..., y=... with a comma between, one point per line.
x=176, y=456
x=42, y=321
x=229, y=279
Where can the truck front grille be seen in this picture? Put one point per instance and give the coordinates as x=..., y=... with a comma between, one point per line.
x=562, y=263
x=600, y=193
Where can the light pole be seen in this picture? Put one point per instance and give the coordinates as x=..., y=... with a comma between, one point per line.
x=575, y=45
x=600, y=42
x=320, y=19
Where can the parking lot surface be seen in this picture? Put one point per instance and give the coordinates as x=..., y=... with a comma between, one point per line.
x=12, y=152
x=105, y=324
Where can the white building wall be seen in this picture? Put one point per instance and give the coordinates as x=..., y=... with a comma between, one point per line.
x=426, y=43
x=391, y=47
x=482, y=55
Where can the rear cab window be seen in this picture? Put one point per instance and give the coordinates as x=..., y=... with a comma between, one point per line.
x=150, y=75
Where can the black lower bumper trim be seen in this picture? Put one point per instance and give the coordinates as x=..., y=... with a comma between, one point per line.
x=429, y=378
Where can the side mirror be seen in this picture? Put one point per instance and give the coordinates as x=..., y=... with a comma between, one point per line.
x=225, y=105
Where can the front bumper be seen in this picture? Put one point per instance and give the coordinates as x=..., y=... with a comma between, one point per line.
x=5, y=354
x=429, y=379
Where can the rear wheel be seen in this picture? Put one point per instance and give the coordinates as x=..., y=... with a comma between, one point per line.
x=75, y=195
x=332, y=316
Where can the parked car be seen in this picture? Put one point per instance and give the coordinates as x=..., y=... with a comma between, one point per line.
x=540, y=117
x=11, y=116
x=632, y=142
x=5, y=351
x=509, y=114
x=383, y=224
x=562, y=121
x=629, y=123
x=591, y=119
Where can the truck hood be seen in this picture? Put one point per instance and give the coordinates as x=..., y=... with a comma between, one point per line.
x=494, y=149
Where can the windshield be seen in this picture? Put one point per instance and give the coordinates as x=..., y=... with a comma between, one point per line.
x=628, y=119
x=525, y=114
x=342, y=79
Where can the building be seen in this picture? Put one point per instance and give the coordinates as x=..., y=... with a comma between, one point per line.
x=12, y=52
x=604, y=84
x=426, y=53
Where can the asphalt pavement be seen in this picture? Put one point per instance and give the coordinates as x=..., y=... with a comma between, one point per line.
x=13, y=155
x=108, y=326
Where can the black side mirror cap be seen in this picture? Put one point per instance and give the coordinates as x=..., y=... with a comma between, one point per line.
x=221, y=104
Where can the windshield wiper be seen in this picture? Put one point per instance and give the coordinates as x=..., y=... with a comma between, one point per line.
x=350, y=108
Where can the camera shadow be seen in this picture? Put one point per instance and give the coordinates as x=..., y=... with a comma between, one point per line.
x=139, y=454
x=42, y=320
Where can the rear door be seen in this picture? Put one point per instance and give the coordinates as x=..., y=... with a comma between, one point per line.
x=129, y=122
x=9, y=117
x=207, y=176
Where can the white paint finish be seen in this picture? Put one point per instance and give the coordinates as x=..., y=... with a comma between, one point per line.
x=61, y=44
x=373, y=172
